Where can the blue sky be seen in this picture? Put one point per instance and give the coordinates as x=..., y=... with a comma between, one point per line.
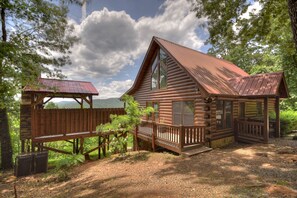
x=116, y=34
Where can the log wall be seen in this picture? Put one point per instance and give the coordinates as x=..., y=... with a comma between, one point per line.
x=180, y=87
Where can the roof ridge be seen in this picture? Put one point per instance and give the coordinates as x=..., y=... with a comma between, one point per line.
x=194, y=50
x=64, y=80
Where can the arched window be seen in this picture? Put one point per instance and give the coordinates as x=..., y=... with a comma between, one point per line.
x=159, y=71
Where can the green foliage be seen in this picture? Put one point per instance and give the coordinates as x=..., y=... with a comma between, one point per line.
x=288, y=120
x=51, y=105
x=69, y=160
x=125, y=123
x=260, y=42
x=35, y=29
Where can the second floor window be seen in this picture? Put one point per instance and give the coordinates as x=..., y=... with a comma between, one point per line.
x=159, y=71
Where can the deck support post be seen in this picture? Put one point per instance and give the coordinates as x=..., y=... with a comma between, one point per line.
x=136, y=139
x=99, y=147
x=154, y=136
x=266, y=121
x=81, y=145
x=76, y=146
x=104, y=146
x=277, y=118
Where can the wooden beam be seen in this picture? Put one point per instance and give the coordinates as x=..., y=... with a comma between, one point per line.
x=47, y=100
x=277, y=118
x=56, y=150
x=266, y=121
x=39, y=99
x=77, y=101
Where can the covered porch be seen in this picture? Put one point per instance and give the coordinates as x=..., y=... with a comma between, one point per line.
x=264, y=88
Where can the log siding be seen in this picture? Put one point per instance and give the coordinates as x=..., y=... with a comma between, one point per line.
x=180, y=87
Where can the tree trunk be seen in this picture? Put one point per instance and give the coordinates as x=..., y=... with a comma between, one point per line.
x=6, y=149
x=292, y=6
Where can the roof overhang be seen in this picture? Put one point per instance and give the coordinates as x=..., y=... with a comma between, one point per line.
x=61, y=88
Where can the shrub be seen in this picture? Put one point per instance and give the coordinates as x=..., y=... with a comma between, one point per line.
x=288, y=120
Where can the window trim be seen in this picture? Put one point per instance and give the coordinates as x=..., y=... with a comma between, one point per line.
x=182, y=114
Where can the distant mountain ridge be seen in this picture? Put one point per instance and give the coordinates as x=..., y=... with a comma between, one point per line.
x=97, y=103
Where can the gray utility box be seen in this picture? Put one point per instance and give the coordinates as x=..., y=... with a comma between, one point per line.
x=29, y=163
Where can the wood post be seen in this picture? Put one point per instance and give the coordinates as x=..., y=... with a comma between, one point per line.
x=266, y=121
x=81, y=145
x=277, y=118
x=104, y=146
x=181, y=137
x=154, y=136
x=136, y=139
x=99, y=147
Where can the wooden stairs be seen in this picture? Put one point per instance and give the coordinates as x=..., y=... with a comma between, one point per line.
x=194, y=150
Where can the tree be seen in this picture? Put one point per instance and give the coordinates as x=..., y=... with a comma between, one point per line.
x=124, y=123
x=51, y=105
x=292, y=6
x=34, y=40
x=257, y=42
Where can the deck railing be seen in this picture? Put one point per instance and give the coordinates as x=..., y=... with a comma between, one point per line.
x=250, y=129
x=53, y=122
x=177, y=136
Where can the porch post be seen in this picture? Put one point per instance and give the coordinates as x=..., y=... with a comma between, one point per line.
x=154, y=136
x=266, y=121
x=277, y=118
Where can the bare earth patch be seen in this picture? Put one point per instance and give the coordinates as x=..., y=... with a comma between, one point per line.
x=236, y=171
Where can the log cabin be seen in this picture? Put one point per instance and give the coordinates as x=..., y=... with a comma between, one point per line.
x=203, y=101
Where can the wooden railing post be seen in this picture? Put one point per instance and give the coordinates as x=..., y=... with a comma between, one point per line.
x=154, y=136
x=136, y=138
x=181, y=137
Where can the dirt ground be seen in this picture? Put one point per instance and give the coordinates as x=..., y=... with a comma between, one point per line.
x=238, y=170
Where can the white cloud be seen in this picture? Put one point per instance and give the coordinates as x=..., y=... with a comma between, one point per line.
x=114, y=88
x=112, y=40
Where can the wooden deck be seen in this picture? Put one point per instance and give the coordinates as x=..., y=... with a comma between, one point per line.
x=174, y=138
x=64, y=124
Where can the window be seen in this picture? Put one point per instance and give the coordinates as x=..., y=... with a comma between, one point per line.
x=159, y=71
x=224, y=114
x=183, y=113
x=259, y=109
x=155, y=115
x=241, y=109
